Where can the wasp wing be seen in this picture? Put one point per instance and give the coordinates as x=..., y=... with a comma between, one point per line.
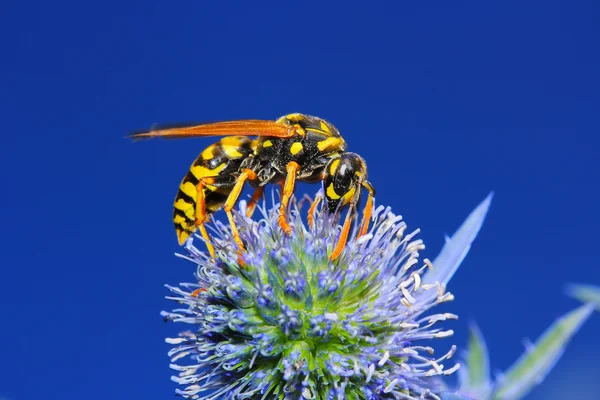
x=227, y=128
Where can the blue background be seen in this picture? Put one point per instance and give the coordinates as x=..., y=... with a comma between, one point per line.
x=446, y=100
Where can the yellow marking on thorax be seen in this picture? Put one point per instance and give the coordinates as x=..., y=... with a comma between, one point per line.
x=331, y=142
x=295, y=117
x=325, y=128
x=208, y=153
x=333, y=166
x=331, y=192
x=200, y=171
x=299, y=130
x=267, y=143
x=296, y=148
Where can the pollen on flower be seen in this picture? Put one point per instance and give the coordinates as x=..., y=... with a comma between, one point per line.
x=292, y=324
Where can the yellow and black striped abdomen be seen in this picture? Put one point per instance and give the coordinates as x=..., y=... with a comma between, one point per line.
x=208, y=183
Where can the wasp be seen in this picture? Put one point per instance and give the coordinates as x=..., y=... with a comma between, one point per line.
x=295, y=147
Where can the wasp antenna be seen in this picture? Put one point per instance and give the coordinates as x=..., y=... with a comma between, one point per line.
x=367, y=185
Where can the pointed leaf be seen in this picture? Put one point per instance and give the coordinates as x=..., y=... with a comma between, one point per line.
x=585, y=293
x=456, y=248
x=474, y=376
x=532, y=367
x=477, y=360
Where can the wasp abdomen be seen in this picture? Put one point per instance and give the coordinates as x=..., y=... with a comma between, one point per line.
x=206, y=186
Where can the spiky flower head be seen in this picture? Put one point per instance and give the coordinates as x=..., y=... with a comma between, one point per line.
x=291, y=324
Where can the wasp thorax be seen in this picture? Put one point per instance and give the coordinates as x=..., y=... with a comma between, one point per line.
x=311, y=124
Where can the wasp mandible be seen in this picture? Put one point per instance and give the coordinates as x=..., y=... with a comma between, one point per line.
x=296, y=147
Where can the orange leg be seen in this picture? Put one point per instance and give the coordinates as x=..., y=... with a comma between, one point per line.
x=253, y=200
x=196, y=292
x=288, y=190
x=343, y=236
x=232, y=199
x=209, y=246
x=311, y=211
x=347, y=222
x=364, y=225
x=201, y=213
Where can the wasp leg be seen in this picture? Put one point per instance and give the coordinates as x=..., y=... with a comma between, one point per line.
x=201, y=216
x=253, y=200
x=209, y=246
x=343, y=236
x=231, y=200
x=346, y=227
x=197, y=292
x=311, y=210
x=288, y=190
x=364, y=225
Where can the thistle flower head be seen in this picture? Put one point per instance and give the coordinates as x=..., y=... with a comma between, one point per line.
x=291, y=324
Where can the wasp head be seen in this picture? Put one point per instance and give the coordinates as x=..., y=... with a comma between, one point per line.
x=344, y=178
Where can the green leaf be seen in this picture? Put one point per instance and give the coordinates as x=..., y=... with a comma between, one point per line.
x=478, y=363
x=532, y=367
x=585, y=293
